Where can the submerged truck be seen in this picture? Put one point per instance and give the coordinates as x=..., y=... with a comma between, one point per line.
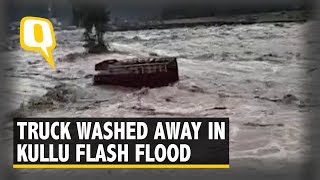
x=137, y=72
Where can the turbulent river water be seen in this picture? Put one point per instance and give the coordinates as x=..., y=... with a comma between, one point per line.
x=253, y=74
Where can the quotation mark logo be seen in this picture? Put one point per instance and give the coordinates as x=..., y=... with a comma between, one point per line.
x=37, y=34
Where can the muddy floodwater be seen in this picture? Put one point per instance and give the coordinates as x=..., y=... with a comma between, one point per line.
x=253, y=74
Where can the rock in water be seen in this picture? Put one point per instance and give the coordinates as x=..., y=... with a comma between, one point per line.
x=93, y=48
x=138, y=72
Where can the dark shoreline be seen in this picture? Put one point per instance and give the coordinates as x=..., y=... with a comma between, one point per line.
x=300, y=16
x=268, y=17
